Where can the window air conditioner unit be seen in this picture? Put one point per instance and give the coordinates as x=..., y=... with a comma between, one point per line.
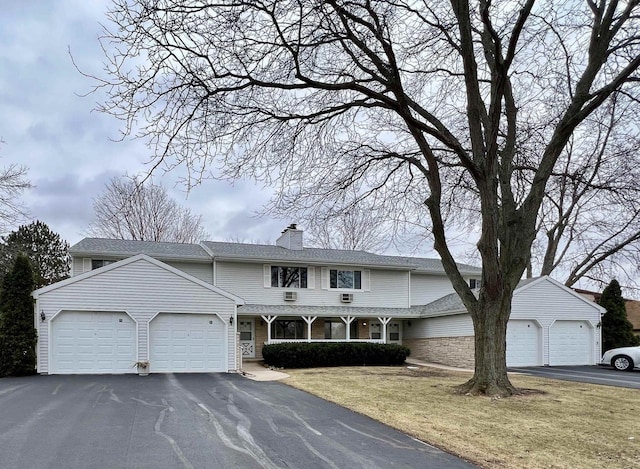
x=346, y=297
x=290, y=296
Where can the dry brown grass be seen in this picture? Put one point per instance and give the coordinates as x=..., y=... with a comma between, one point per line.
x=560, y=425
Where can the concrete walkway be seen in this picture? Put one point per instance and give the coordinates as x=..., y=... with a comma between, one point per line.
x=256, y=370
x=413, y=361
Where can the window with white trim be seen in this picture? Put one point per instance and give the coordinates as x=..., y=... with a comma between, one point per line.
x=345, y=279
x=288, y=277
x=474, y=283
x=288, y=329
x=334, y=329
x=97, y=263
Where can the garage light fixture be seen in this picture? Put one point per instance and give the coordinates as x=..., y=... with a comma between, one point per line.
x=231, y=320
x=42, y=316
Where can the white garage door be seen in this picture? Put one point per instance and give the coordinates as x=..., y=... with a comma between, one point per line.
x=523, y=343
x=185, y=343
x=92, y=342
x=570, y=343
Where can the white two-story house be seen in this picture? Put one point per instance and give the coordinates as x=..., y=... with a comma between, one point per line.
x=202, y=307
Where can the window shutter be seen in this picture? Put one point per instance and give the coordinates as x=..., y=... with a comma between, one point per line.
x=311, y=277
x=366, y=280
x=267, y=276
x=324, y=273
x=86, y=264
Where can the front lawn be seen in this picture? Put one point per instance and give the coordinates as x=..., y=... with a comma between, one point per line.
x=560, y=425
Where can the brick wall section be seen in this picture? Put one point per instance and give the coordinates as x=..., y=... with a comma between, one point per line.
x=451, y=351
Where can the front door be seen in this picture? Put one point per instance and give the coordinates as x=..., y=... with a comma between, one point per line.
x=393, y=332
x=247, y=338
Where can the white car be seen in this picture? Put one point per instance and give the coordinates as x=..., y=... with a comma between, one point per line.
x=622, y=359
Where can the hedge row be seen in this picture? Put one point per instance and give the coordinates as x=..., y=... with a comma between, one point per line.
x=307, y=355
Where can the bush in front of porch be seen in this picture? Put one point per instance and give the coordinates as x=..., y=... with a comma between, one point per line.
x=308, y=355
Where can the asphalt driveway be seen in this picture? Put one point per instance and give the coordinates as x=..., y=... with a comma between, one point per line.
x=191, y=421
x=585, y=374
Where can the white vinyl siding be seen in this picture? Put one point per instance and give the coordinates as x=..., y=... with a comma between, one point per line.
x=140, y=288
x=459, y=325
x=248, y=280
x=201, y=271
x=428, y=288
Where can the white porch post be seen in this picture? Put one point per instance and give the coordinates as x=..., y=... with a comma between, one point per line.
x=268, y=319
x=309, y=320
x=347, y=321
x=384, y=322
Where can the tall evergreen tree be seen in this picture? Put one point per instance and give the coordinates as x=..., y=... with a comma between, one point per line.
x=17, y=334
x=47, y=251
x=617, y=331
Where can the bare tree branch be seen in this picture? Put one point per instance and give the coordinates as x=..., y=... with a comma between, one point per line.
x=128, y=209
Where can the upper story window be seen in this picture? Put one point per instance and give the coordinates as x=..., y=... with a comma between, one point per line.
x=474, y=283
x=348, y=279
x=97, y=263
x=288, y=277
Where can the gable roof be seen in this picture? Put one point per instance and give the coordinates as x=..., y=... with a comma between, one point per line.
x=452, y=304
x=204, y=252
x=130, y=260
x=128, y=247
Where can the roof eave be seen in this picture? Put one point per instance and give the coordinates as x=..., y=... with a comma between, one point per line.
x=204, y=260
x=320, y=262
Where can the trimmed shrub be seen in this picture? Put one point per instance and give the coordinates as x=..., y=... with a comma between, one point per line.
x=316, y=354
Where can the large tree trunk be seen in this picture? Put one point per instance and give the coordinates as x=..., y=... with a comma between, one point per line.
x=490, y=328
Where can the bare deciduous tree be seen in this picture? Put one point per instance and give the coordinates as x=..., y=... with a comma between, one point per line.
x=589, y=225
x=131, y=210
x=442, y=101
x=353, y=224
x=13, y=182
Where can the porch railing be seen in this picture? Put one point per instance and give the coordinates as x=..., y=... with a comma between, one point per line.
x=304, y=341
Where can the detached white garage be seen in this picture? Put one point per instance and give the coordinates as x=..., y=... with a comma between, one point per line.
x=550, y=324
x=138, y=309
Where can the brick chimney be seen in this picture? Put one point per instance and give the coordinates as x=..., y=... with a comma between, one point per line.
x=291, y=238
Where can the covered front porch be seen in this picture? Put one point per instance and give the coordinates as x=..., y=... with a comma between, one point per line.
x=258, y=330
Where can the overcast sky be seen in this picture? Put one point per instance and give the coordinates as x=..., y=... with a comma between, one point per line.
x=46, y=125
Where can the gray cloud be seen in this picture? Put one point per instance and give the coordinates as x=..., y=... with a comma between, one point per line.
x=69, y=149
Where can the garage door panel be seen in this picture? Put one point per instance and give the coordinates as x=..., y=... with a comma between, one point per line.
x=92, y=342
x=570, y=343
x=523, y=343
x=187, y=343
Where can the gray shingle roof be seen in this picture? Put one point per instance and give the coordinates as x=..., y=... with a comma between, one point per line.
x=127, y=247
x=327, y=311
x=337, y=256
x=259, y=252
x=453, y=304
